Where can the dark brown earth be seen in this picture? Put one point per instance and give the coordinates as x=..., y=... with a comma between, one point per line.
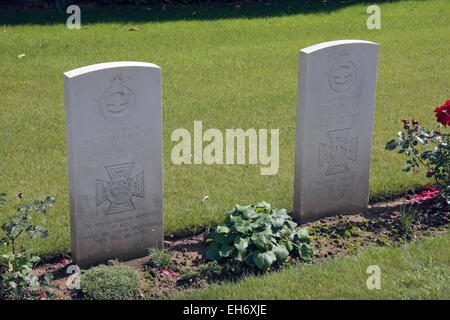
x=331, y=237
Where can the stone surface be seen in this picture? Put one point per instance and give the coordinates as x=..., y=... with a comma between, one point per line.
x=114, y=150
x=335, y=110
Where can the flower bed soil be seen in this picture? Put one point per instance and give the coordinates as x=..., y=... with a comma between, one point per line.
x=331, y=237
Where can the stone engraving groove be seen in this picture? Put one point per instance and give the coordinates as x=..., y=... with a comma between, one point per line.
x=117, y=102
x=340, y=150
x=121, y=188
x=342, y=74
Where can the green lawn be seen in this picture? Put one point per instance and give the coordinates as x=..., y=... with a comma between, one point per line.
x=222, y=68
x=415, y=271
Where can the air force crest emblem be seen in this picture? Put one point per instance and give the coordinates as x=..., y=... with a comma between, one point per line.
x=117, y=102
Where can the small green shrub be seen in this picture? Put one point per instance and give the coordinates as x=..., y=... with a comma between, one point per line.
x=259, y=237
x=110, y=283
x=159, y=258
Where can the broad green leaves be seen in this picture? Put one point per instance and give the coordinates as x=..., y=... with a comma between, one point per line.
x=240, y=243
x=260, y=236
x=264, y=259
x=262, y=240
x=281, y=253
x=212, y=252
x=225, y=250
x=222, y=229
x=300, y=235
x=305, y=252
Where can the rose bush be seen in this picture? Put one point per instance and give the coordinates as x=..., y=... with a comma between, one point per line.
x=431, y=149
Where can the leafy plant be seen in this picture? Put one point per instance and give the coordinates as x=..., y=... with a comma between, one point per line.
x=408, y=216
x=20, y=224
x=110, y=283
x=428, y=148
x=17, y=281
x=159, y=258
x=259, y=237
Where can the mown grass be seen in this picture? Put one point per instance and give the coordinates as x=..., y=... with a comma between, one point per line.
x=228, y=73
x=417, y=270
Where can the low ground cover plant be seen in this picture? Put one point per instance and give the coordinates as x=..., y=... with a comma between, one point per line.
x=160, y=259
x=110, y=283
x=208, y=271
x=258, y=236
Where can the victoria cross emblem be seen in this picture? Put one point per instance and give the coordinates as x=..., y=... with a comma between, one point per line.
x=342, y=148
x=121, y=188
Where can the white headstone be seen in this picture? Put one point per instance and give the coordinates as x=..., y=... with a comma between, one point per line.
x=335, y=110
x=114, y=150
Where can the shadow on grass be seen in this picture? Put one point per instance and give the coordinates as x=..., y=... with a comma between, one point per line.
x=158, y=13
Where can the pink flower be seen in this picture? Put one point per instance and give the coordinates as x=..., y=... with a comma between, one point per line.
x=174, y=275
x=428, y=194
x=63, y=260
x=42, y=297
x=166, y=272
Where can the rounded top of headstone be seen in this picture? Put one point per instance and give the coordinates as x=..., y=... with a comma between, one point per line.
x=329, y=44
x=108, y=65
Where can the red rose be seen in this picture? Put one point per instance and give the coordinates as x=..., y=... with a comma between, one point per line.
x=438, y=109
x=443, y=113
x=447, y=105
